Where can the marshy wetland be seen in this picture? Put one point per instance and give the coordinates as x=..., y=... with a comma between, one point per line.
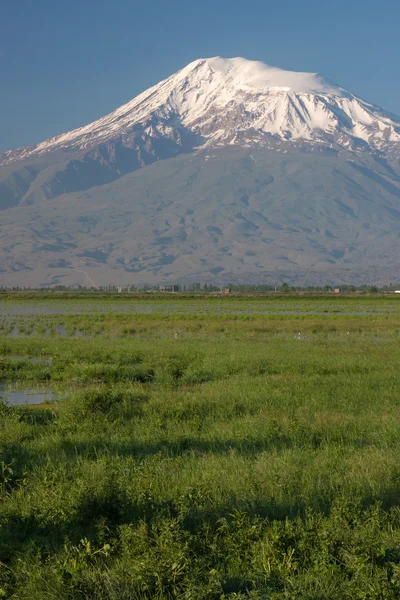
x=200, y=448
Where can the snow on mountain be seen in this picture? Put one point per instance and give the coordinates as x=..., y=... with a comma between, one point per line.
x=237, y=101
x=235, y=187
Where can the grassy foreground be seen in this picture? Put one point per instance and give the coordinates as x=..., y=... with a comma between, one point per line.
x=203, y=455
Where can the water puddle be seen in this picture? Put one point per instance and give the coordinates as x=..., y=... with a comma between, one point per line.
x=32, y=359
x=13, y=396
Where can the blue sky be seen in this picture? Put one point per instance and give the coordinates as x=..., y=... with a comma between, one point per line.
x=65, y=63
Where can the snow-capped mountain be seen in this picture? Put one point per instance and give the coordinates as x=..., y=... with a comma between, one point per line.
x=251, y=173
x=235, y=101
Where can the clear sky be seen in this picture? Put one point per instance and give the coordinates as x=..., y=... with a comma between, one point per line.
x=65, y=63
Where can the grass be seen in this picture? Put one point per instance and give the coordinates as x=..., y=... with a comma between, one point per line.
x=203, y=455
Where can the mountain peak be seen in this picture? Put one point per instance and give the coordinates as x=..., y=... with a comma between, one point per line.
x=221, y=101
x=256, y=74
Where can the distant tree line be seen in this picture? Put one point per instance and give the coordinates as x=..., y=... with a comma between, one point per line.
x=206, y=288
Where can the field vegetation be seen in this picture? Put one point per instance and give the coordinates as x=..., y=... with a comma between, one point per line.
x=225, y=448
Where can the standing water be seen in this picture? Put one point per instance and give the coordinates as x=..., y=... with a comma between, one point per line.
x=19, y=397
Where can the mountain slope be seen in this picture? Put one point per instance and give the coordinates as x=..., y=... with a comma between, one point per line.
x=227, y=169
x=226, y=214
x=210, y=102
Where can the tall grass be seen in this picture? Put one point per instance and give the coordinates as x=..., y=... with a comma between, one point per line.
x=236, y=459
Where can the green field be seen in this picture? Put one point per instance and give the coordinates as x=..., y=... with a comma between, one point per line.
x=200, y=448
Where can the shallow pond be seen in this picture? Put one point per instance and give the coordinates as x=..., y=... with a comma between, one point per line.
x=13, y=396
